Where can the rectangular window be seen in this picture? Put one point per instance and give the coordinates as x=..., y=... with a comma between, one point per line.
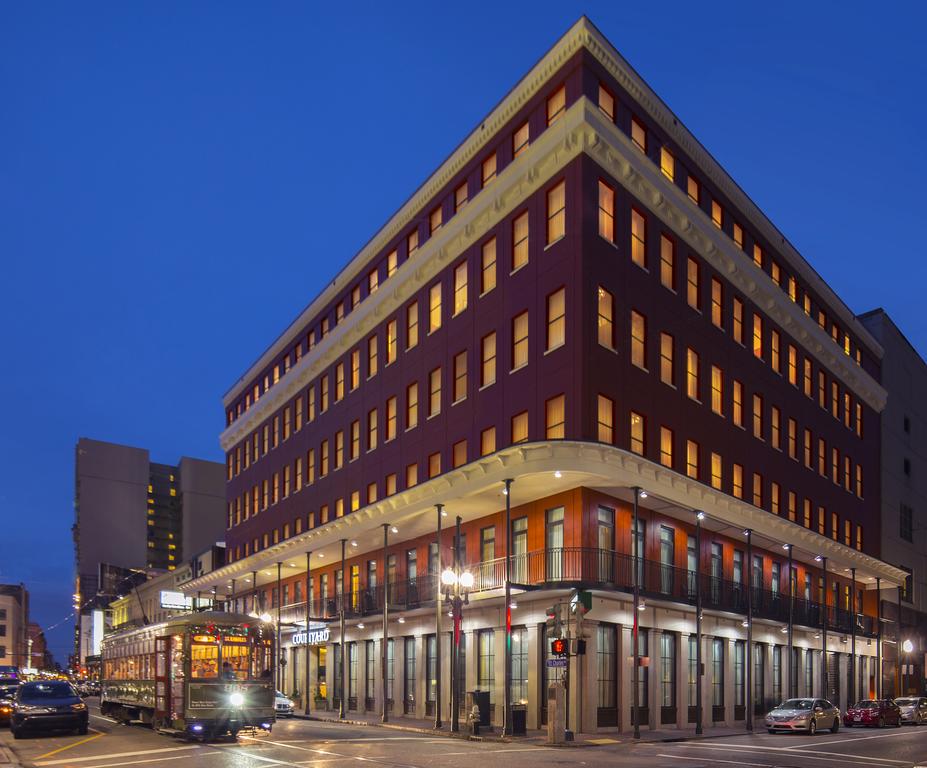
x=488, y=360
x=488, y=170
x=666, y=447
x=606, y=211
x=717, y=214
x=692, y=283
x=738, y=403
x=392, y=263
x=373, y=282
x=692, y=380
x=738, y=481
x=667, y=163
x=487, y=441
x=716, y=471
x=460, y=289
x=556, y=213
x=339, y=449
x=738, y=235
x=460, y=376
x=667, y=263
x=411, y=243
x=371, y=356
x=606, y=102
x=606, y=318
x=774, y=351
x=434, y=308
x=793, y=439
x=520, y=241
x=556, y=105
x=556, y=319
x=638, y=135
x=606, y=419
x=774, y=421
x=520, y=428
x=793, y=366
x=757, y=490
x=738, y=329
x=717, y=390
x=372, y=429
x=519, y=340
x=390, y=418
x=434, y=464
x=638, y=239
x=758, y=416
x=520, y=140
x=667, y=371
x=637, y=433
x=555, y=417
x=717, y=303
x=807, y=447
x=692, y=189
x=757, y=336
x=806, y=378
x=434, y=392
x=460, y=197
x=392, y=341
x=488, y=268
x=459, y=454
x=692, y=459
x=412, y=325
x=638, y=340
x=355, y=440
x=412, y=405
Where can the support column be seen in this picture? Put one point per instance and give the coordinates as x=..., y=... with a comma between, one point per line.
x=851, y=689
x=507, y=672
x=791, y=630
x=535, y=692
x=306, y=616
x=824, y=691
x=879, y=638
x=439, y=608
x=748, y=651
x=700, y=656
x=279, y=653
x=635, y=671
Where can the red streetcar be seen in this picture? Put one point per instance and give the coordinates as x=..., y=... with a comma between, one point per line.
x=873, y=712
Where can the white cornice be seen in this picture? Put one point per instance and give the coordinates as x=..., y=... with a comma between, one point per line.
x=583, y=34
x=473, y=490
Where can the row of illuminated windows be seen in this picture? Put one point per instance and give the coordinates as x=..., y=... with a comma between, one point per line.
x=347, y=375
x=749, y=331
x=436, y=218
x=724, y=221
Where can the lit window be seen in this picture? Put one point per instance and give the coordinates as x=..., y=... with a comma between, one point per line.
x=372, y=429
x=716, y=472
x=793, y=439
x=411, y=475
x=412, y=243
x=757, y=489
x=717, y=303
x=692, y=459
x=355, y=296
x=606, y=318
x=488, y=360
x=757, y=255
x=638, y=239
x=637, y=433
x=460, y=197
x=392, y=263
x=758, y=416
x=556, y=212
x=667, y=263
x=692, y=283
x=339, y=454
x=373, y=282
x=639, y=135
x=460, y=376
x=371, y=356
x=666, y=447
x=757, y=336
x=390, y=418
x=638, y=340
x=667, y=371
x=774, y=426
x=556, y=105
x=717, y=214
x=459, y=454
x=434, y=464
x=434, y=308
x=774, y=360
x=717, y=390
x=738, y=403
x=606, y=102
x=606, y=419
x=435, y=220
x=738, y=329
x=606, y=211
x=392, y=341
x=555, y=416
x=520, y=140
x=488, y=269
x=692, y=380
x=487, y=441
x=520, y=428
x=460, y=288
x=339, y=391
x=488, y=170
x=667, y=163
x=556, y=319
x=520, y=241
x=412, y=325
x=692, y=189
x=354, y=450
x=434, y=392
x=738, y=235
x=519, y=340
x=412, y=405
x=738, y=481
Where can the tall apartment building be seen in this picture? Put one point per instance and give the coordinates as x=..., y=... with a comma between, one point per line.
x=14, y=626
x=581, y=301
x=904, y=498
x=134, y=515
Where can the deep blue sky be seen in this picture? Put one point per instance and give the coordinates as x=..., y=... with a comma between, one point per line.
x=177, y=181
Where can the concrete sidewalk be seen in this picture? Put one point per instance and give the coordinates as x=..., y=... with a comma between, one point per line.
x=535, y=737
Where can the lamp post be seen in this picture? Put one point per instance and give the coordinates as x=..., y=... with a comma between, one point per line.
x=699, y=516
x=824, y=629
x=749, y=649
x=306, y=614
x=384, y=643
x=507, y=677
x=907, y=647
x=635, y=581
x=879, y=638
x=343, y=649
x=280, y=658
x=438, y=609
x=457, y=585
x=852, y=696
x=790, y=660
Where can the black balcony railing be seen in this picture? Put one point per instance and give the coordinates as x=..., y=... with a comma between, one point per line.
x=596, y=568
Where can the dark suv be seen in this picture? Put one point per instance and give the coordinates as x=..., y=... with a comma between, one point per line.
x=48, y=705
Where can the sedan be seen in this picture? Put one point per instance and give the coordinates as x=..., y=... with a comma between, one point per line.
x=806, y=715
x=913, y=709
x=283, y=705
x=7, y=694
x=48, y=705
x=873, y=712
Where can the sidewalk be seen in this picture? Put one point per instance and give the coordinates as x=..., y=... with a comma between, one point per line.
x=534, y=737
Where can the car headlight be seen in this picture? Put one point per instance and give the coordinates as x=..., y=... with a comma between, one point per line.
x=80, y=707
x=236, y=699
x=29, y=708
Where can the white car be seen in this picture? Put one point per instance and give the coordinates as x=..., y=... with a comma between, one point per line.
x=283, y=705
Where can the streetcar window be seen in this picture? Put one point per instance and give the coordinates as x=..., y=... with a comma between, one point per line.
x=236, y=657
x=262, y=660
x=204, y=660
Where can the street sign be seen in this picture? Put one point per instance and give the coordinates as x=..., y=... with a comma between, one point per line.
x=556, y=662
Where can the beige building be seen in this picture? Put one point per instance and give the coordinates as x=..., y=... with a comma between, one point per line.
x=14, y=625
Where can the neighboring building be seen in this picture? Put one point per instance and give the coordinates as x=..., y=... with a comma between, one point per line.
x=580, y=300
x=904, y=497
x=133, y=515
x=14, y=625
x=40, y=657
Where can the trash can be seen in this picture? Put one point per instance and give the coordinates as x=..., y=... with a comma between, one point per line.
x=480, y=699
x=519, y=720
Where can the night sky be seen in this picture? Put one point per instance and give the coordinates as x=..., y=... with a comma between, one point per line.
x=178, y=180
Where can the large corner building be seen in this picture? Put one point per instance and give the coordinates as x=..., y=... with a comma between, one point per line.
x=581, y=301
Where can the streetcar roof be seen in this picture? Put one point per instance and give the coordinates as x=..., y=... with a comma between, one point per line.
x=220, y=618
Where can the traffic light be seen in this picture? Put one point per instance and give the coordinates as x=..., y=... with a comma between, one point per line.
x=558, y=647
x=554, y=622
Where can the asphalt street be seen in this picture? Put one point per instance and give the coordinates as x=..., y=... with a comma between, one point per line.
x=330, y=745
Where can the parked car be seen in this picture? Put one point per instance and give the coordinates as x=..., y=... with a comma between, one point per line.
x=283, y=705
x=7, y=694
x=808, y=715
x=48, y=705
x=913, y=709
x=873, y=712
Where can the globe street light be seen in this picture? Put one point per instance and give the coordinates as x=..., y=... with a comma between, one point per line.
x=456, y=586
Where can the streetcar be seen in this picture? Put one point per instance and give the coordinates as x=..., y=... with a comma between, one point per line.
x=203, y=674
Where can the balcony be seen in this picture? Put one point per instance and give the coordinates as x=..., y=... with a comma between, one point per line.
x=595, y=569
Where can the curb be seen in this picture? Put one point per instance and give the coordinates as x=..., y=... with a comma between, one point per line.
x=8, y=757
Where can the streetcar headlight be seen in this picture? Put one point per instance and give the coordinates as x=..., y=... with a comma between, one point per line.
x=236, y=699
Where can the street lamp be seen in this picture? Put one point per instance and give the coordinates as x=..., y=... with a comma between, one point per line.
x=907, y=647
x=456, y=585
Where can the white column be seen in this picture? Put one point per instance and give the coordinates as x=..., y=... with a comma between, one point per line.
x=535, y=692
x=587, y=672
x=625, y=677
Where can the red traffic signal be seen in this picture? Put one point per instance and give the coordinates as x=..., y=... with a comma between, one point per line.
x=558, y=647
